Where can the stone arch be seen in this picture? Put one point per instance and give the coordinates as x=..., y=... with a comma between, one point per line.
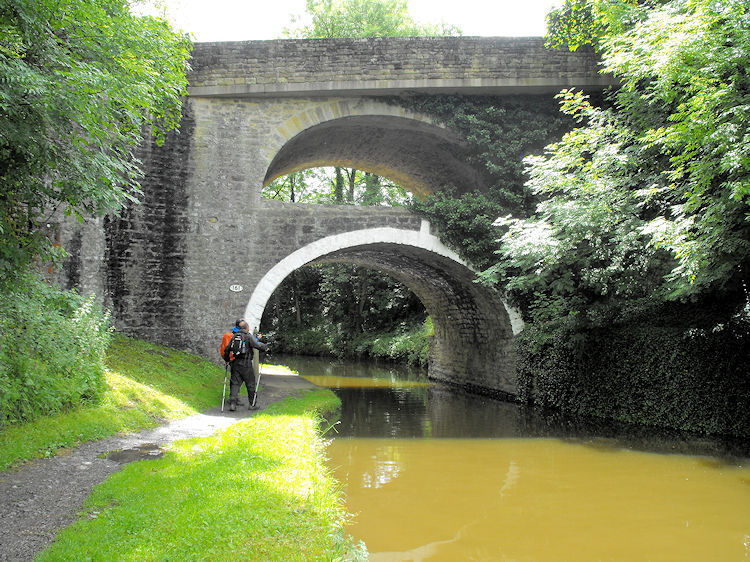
x=407, y=147
x=474, y=328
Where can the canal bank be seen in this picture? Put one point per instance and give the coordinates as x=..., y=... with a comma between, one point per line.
x=41, y=497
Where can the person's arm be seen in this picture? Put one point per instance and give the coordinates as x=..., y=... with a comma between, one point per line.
x=257, y=344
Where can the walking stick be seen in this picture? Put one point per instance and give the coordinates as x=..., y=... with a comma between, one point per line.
x=224, y=392
x=257, y=383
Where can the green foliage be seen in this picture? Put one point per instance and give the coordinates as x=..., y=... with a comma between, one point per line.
x=336, y=186
x=321, y=310
x=465, y=223
x=80, y=82
x=649, y=196
x=652, y=369
x=365, y=18
x=588, y=22
x=573, y=24
x=681, y=128
x=585, y=248
x=52, y=346
x=686, y=93
x=145, y=384
x=499, y=133
x=409, y=344
x=259, y=490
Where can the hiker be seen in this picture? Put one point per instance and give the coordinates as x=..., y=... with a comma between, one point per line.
x=224, y=341
x=239, y=354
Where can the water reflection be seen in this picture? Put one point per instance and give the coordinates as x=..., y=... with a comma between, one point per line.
x=396, y=401
x=434, y=474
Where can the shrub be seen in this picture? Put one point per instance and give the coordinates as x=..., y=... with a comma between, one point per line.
x=693, y=379
x=406, y=345
x=52, y=346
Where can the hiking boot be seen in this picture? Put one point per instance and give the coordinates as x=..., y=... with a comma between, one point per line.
x=232, y=405
x=253, y=407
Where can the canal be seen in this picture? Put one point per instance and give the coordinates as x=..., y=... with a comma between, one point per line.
x=432, y=474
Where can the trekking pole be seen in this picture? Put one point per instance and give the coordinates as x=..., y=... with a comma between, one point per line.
x=224, y=392
x=257, y=383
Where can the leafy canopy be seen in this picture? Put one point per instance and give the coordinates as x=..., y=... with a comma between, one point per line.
x=665, y=169
x=79, y=82
x=337, y=186
x=365, y=18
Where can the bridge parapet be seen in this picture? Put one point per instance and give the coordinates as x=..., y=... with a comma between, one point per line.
x=389, y=66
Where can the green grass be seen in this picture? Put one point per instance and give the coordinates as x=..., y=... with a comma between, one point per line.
x=146, y=384
x=256, y=491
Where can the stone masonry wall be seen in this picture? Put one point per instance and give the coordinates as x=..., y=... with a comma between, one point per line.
x=166, y=265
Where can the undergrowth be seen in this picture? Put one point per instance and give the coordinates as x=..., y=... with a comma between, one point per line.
x=52, y=346
x=407, y=344
x=144, y=385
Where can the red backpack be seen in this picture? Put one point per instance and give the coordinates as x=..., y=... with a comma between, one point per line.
x=224, y=341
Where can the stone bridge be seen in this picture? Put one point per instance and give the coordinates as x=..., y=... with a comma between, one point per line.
x=204, y=248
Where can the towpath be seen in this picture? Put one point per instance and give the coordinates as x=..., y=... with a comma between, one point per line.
x=41, y=497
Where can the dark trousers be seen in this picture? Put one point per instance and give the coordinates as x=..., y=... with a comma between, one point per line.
x=241, y=372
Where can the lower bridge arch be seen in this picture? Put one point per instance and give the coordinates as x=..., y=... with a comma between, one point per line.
x=474, y=329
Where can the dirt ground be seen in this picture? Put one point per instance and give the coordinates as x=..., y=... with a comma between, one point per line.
x=43, y=496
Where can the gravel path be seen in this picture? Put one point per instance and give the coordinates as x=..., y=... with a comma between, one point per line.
x=43, y=496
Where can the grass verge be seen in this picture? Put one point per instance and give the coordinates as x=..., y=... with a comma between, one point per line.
x=258, y=490
x=146, y=384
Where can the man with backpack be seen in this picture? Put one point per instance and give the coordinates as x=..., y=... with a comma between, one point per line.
x=239, y=354
x=224, y=342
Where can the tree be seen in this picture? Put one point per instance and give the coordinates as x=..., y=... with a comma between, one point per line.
x=365, y=18
x=297, y=187
x=336, y=186
x=80, y=82
x=664, y=168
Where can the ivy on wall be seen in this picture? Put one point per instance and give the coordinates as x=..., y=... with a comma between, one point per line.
x=499, y=133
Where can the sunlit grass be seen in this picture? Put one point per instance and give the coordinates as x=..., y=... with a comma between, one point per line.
x=146, y=384
x=258, y=490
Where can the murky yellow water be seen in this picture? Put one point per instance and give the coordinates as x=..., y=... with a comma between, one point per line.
x=539, y=499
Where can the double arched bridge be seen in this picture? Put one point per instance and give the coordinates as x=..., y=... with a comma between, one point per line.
x=204, y=247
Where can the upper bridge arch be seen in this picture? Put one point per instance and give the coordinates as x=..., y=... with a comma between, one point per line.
x=407, y=147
